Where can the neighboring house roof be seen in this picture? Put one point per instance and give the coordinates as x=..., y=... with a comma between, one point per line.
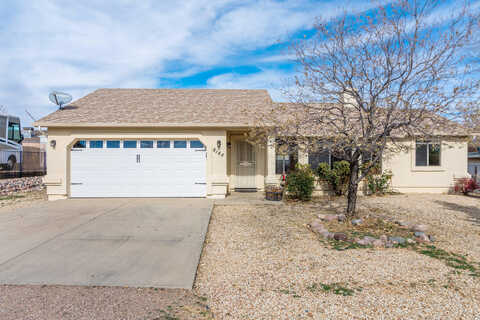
x=160, y=107
x=319, y=119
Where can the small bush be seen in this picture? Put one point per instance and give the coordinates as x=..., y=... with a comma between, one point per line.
x=337, y=177
x=465, y=185
x=379, y=183
x=301, y=183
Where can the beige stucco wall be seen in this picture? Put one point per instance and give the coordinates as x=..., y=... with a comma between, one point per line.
x=408, y=178
x=58, y=157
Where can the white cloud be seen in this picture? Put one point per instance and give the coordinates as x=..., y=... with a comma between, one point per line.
x=78, y=46
x=275, y=81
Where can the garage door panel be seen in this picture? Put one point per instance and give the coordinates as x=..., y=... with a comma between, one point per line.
x=117, y=173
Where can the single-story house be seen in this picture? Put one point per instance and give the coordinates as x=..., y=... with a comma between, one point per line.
x=474, y=163
x=191, y=143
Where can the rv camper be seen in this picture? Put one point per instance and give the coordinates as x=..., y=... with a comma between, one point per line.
x=10, y=142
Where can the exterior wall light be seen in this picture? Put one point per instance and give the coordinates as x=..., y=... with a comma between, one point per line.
x=53, y=143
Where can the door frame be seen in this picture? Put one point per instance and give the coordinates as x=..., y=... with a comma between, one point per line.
x=259, y=162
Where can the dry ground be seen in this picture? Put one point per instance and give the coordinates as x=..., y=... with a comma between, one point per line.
x=261, y=262
x=22, y=200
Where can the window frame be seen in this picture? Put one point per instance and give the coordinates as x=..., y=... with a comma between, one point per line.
x=428, y=143
x=90, y=143
x=161, y=141
x=201, y=143
x=175, y=142
x=11, y=132
x=79, y=142
x=126, y=141
x=148, y=145
x=112, y=141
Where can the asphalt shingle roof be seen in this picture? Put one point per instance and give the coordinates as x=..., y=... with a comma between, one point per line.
x=161, y=107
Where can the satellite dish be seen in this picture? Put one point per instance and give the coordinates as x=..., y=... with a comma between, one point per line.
x=60, y=98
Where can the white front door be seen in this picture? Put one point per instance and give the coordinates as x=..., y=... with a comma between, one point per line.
x=138, y=172
x=246, y=166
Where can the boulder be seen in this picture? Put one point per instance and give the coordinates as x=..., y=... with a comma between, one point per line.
x=402, y=223
x=341, y=217
x=419, y=233
x=329, y=217
x=419, y=228
x=423, y=238
x=383, y=238
x=363, y=242
x=431, y=238
x=357, y=222
x=378, y=243
x=398, y=240
x=340, y=236
x=411, y=241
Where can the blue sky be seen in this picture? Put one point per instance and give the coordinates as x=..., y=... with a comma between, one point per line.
x=79, y=46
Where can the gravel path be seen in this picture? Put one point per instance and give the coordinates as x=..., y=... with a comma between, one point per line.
x=87, y=303
x=260, y=262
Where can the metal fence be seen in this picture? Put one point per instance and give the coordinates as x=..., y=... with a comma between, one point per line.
x=26, y=163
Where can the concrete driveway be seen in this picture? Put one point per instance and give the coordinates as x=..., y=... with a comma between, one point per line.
x=105, y=242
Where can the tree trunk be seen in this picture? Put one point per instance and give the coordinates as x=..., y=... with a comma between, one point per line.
x=352, y=189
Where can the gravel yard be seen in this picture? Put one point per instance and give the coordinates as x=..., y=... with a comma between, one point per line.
x=86, y=303
x=22, y=200
x=261, y=262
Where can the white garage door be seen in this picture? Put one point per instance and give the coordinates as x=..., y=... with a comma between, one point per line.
x=143, y=168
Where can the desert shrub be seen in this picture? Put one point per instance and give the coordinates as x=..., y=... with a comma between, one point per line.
x=379, y=183
x=465, y=185
x=336, y=177
x=301, y=182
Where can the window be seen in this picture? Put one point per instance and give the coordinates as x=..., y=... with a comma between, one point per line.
x=129, y=144
x=80, y=144
x=427, y=153
x=315, y=158
x=14, y=132
x=194, y=144
x=285, y=163
x=163, y=144
x=96, y=144
x=113, y=144
x=179, y=144
x=146, y=144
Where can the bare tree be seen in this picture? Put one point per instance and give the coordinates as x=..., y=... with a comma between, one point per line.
x=367, y=81
x=3, y=110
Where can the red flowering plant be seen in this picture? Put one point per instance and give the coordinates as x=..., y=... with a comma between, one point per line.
x=465, y=185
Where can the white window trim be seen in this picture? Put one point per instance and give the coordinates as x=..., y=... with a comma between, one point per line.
x=415, y=168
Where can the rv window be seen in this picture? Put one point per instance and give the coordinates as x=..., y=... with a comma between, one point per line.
x=14, y=132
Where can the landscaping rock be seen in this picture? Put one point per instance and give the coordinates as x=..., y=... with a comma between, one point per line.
x=11, y=186
x=419, y=228
x=431, y=238
x=389, y=244
x=402, y=223
x=357, y=222
x=423, y=238
x=411, y=241
x=341, y=217
x=363, y=242
x=398, y=240
x=378, y=243
x=329, y=217
x=340, y=236
x=384, y=238
x=326, y=234
x=368, y=238
x=316, y=223
x=419, y=233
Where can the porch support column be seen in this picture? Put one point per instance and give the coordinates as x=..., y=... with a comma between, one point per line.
x=271, y=178
x=302, y=156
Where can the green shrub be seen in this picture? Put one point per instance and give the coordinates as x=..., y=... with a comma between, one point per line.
x=379, y=183
x=337, y=177
x=301, y=182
